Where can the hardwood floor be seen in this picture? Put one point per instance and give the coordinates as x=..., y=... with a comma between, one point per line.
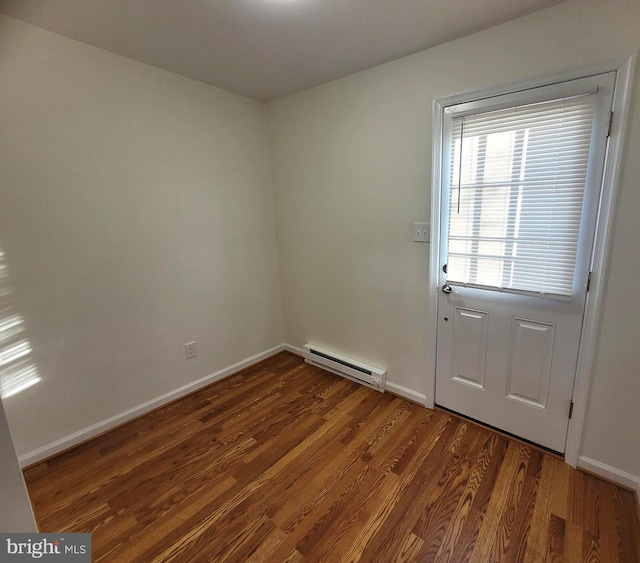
x=285, y=462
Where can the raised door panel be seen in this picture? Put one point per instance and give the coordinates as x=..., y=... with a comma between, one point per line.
x=470, y=329
x=530, y=361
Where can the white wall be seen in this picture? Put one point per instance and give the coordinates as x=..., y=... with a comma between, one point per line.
x=16, y=514
x=352, y=172
x=136, y=214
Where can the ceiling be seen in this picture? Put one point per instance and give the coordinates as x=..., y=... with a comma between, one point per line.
x=266, y=49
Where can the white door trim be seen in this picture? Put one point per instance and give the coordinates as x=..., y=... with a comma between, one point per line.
x=624, y=67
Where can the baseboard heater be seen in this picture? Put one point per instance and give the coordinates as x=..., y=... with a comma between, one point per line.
x=370, y=376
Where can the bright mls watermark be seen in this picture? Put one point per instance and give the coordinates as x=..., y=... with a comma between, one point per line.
x=71, y=548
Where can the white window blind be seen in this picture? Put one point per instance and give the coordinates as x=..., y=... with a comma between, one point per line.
x=517, y=183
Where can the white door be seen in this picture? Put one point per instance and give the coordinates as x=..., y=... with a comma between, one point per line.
x=521, y=180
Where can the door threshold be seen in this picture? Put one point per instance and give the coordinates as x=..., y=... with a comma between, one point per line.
x=504, y=433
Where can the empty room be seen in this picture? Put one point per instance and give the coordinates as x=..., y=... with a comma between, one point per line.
x=319, y=280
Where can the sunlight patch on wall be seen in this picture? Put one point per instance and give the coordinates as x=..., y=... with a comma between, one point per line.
x=17, y=369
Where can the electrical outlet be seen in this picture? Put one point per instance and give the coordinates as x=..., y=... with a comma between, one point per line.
x=191, y=349
x=421, y=232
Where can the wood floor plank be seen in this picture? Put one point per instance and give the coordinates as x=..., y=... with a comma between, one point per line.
x=591, y=551
x=561, y=483
x=555, y=540
x=628, y=533
x=505, y=532
x=577, y=507
x=573, y=542
x=263, y=552
x=286, y=462
x=606, y=516
x=541, y=517
x=497, y=504
x=525, y=511
x=410, y=549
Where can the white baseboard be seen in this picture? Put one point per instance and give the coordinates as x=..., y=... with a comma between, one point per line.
x=294, y=349
x=407, y=393
x=608, y=472
x=86, y=433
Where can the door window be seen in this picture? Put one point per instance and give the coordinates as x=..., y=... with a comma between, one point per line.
x=517, y=178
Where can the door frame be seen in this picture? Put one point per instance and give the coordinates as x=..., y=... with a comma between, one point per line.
x=624, y=68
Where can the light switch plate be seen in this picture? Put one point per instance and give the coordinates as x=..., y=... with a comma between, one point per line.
x=421, y=232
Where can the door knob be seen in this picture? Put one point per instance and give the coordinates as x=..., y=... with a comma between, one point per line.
x=446, y=288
